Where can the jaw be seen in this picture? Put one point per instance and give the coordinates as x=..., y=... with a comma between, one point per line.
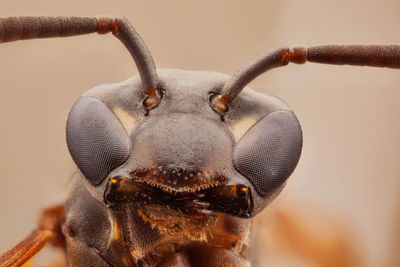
x=156, y=223
x=176, y=220
x=177, y=215
x=234, y=199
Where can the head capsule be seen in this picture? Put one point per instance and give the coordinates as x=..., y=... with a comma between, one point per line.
x=182, y=153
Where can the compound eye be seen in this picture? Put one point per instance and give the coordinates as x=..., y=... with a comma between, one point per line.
x=96, y=139
x=268, y=153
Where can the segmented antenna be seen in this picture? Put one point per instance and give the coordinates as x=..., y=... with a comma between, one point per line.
x=361, y=55
x=21, y=28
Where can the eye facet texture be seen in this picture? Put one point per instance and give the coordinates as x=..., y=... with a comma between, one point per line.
x=268, y=153
x=96, y=139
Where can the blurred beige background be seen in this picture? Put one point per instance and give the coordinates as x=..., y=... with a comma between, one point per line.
x=349, y=171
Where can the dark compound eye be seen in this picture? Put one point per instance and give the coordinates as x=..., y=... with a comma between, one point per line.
x=268, y=153
x=96, y=139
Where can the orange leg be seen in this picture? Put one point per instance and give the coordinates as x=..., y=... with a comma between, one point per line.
x=49, y=230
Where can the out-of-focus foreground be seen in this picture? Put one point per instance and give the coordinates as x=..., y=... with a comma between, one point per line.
x=341, y=205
